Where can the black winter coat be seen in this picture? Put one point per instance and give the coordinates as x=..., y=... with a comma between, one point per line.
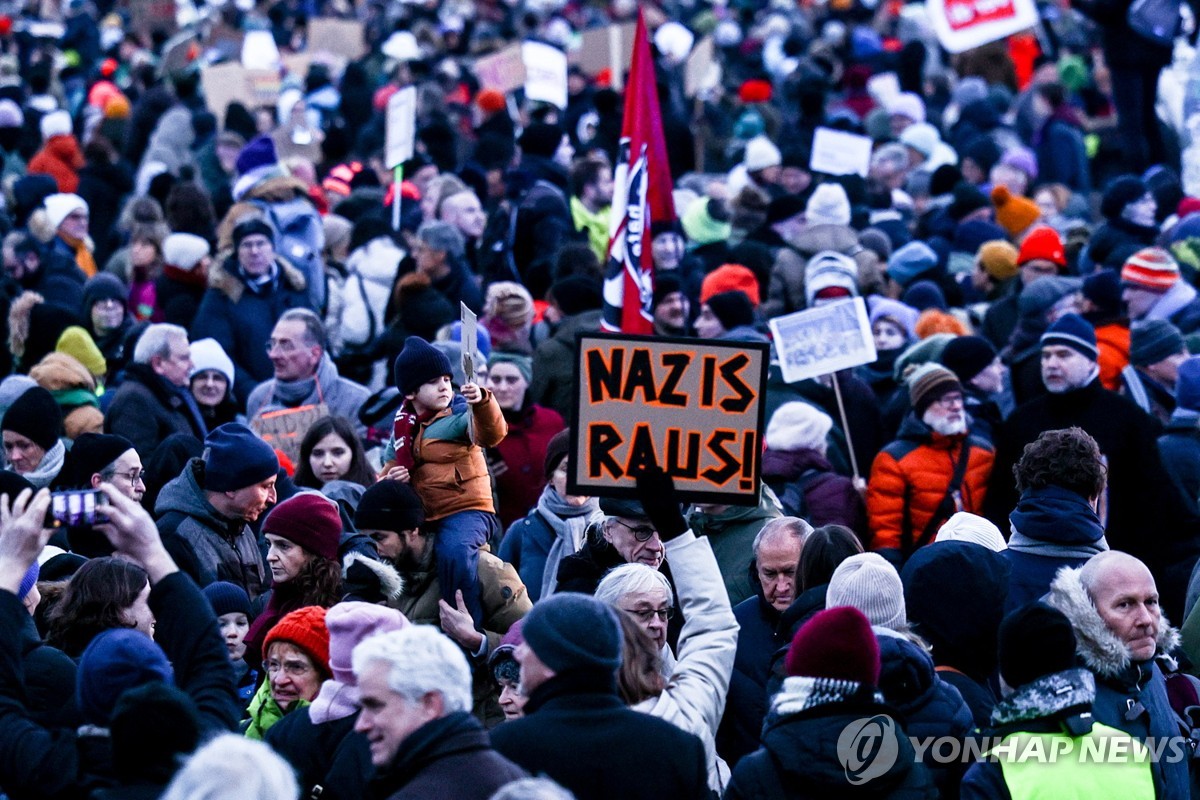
x=330, y=755
x=145, y=411
x=746, y=706
x=579, y=733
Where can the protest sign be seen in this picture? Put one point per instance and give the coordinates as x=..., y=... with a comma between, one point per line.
x=840, y=153
x=284, y=429
x=610, y=47
x=694, y=408
x=469, y=342
x=401, y=126
x=153, y=16
x=341, y=37
x=702, y=72
x=825, y=339
x=545, y=73
x=964, y=24
x=503, y=70
x=883, y=88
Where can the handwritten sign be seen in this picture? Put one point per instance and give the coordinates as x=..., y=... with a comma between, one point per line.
x=285, y=428
x=840, y=153
x=965, y=24
x=824, y=339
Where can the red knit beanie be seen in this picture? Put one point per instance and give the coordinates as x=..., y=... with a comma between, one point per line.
x=305, y=628
x=310, y=520
x=755, y=90
x=836, y=643
x=727, y=278
x=1043, y=242
x=491, y=100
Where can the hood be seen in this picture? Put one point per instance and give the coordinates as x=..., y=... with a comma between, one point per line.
x=66, y=149
x=816, y=238
x=954, y=593
x=908, y=679
x=183, y=494
x=391, y=583
x=223, y=277
x=705, y=524
x=376, y=261
x=1048, y=697
x=1056, y=515
x=788, y=465
x=58, y=372
x=1098, y=647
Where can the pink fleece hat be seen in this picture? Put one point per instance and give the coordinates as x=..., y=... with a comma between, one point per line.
x=351, y=623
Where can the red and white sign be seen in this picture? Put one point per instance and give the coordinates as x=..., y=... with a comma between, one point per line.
x=965, y=24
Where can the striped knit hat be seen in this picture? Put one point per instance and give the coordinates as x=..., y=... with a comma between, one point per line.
x=1075, y=332
x=1152, y=269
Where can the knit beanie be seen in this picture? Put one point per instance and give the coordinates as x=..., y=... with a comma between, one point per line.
x=665, y=285
x=310, y=520
x=967, y=200
x=924, y=295
x=184, y=250
x=558, y=448
x=929, y=383
x=490, y=100
x=1152, y=341
x=228, y=598
x=828, y=205
x=523, y=363
x=967, y=356
x=576, y=294
x=886, y=308
x=727, y=278
x=732, y=309
x=389, y=506
x=798, y=426
x=1187, y=384
x=1075, y=332
x=35, y=416
x=62, y=205
x=350, y=623
x=702, y=225
x=28, y=581
x=56, y=123
x=259, y=153
x=1103, y=289
x=116, y=660
x=999, y=259
x=250, y=227
x=1120, y=193
x=761, y=153
x=305, y=628
x=1013, y=212
x=417, y=364
x=77, y=343
x=1037, y=298
x=234, y=458
x=967, y=527
x=1035, y=640
x=869, y=583
x=785, y=207
x=944, y=179
x=1152, y=269
x=103, y=286
x=838, y=644
x=208, y=354
x=830, y=273
x=572, y=631
x=909, y=105
x=540, y=139
x=90, y=454
x=1042, y=243
x=911, y=261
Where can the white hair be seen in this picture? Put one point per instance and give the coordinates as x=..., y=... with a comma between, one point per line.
x=232, y=767
x=420, y=659
x=156, y=341
x=630, y=578
x=779, y=526
x=532, y=789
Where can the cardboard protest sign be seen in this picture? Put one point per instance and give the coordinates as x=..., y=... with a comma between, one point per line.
x=401, y=126
x=469, y=341
x=342, y=37
x=695, y=408
x=840, y=153
x=503, y=70
x=702, y=72
x=545, y=73
x=825, y=339
x=284, y=429
x=610, y=47
x=964, y=24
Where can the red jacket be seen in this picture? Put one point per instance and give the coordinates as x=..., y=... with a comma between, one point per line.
x=518, y=462
x=61, y=159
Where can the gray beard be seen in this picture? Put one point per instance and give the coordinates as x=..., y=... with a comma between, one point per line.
x=947, y=427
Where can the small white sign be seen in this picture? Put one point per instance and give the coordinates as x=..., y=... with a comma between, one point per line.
x=545, y=73
x=883, y=87
x=469, y=345
x=840, y=153
x=259, y=51
x=401, y=126
x=825, y=339
x=966, y=24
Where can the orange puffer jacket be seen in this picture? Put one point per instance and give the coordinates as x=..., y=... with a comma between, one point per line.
x=909, y=479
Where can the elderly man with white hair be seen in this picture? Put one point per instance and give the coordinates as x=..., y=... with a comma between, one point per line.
x=415, y=692
x=697, y=681
x=1122, y=636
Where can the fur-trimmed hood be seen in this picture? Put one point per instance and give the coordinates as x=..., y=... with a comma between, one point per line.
x=278, y=189
x=19, y=319
x=59, y=372
x=1047, y=697
x=223, y=278
x=391, y=583
x=1101, y=650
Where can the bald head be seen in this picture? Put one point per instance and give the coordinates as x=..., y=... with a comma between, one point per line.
x=1124, y=593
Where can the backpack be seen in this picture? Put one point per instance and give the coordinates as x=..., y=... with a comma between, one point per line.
x=300, y=238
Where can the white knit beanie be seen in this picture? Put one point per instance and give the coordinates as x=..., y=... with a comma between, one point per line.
x=208, y=354
x=798, y=426
x=967, y=527
x=56, y=123
x=869, y=583
x=828, y=205
x=761, y=153
x=184, y=250
x=60, y=206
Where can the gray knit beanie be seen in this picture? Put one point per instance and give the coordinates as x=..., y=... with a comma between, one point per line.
x=869, y=583
x=572, y=631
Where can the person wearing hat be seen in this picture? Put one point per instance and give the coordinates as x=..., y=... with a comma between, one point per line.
x=211, y=383
x=1101, y=305
x=507, y=673
x=211, y=504
x=179, y=289
x=1041, y=254
x=728, y=316
x=440, y=256
x=391, y=514
x=67, y=216
x=671, y=307
x=1152, y=288
x=31, y=428
x=231, y=604
x=543, y=213
x=1156, y=349
x=984, y=378
x=834, y=657
x=97, y=458
x=59, y=156
x=296, y=661
x=105, y=317
x=1179, y=444
x=517, y=462
x=935, y=466
x=247, y=292
x=555, y=527
x=569, y=659
x=1139, y=495
x=1130, y=224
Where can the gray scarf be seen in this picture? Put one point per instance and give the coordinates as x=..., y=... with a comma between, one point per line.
x=51, y=464
x=304, y=392
x=569, y=524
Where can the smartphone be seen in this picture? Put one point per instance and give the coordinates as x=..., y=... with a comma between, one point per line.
x=76, y=509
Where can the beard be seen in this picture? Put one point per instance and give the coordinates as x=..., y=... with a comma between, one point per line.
x=947, y=426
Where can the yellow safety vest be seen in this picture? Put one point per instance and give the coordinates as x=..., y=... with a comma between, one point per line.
x=1031, y=775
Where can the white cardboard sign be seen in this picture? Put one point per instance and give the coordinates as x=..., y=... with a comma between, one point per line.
x=545, y=73
x=840, y=153
x=825, y=339
x=965, y=24
x=401, y=126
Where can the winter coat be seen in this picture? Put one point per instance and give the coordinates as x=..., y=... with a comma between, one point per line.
x=758, y=640
x=448, y=757
x=698, y=681
x=225, y=549
x=371, y=272
x=731, y=533
x=1001, y=318
x=1179, y=447
x=147, y=410
x=528, y=542
x=342, y=396
x=49, y=680
x=241, y=319
x=827, y=498
x=61, y=159
x=1051, y=528
x=800, y=757
x=1112, y=340
x=74, y=390
x=1179, y=305
x=1123, y=48
x=577, y=732
x=103, y=186
x=1121, y=682
x=179, y=294
x=554, y=364
x=1151, y=396
x=1062, y=156
x=518, y=463
x=61, y=763
x=329, y=755
x=1114, y=242
x=265, y=713
x=543, y=222
x=785, y=290
x=910, y=476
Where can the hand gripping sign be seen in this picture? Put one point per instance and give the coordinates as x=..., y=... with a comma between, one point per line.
x=695, y=408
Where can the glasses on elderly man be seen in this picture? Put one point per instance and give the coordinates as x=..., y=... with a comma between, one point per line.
x=645, y=615
x=642, y=533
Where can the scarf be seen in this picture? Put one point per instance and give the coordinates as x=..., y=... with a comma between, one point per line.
x=48, y=469
x=404, y=434
x=569, y=524
x=83, y=254
x=296, y=393
x=801, y=693
x=1057, y=523
x=335, y=700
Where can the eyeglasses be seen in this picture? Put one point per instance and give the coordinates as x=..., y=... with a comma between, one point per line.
x=646, y=615
x=283, y=346
x=642, y=533
x=950, y=400
x=293, y=669
x=134, y=477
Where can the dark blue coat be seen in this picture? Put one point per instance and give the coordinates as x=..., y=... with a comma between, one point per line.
x=1180, y=450
x=746, y=707
x=1052, y=516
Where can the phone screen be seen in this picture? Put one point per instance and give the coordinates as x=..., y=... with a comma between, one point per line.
x=76, y=509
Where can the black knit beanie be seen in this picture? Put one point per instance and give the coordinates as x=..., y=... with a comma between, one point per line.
x=733, y=309
x=418, y=363
x=1035, y=640
x=35, y=416
x=389, y=506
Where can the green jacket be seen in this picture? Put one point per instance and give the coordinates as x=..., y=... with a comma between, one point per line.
x=265, y=712
x=731, y=533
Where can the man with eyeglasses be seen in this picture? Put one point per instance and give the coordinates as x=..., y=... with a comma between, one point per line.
x=935, y=468
x=98, y=458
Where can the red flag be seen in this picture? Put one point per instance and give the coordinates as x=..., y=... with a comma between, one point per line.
x=641, y=196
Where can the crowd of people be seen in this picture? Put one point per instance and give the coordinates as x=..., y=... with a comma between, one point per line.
x=270, y=529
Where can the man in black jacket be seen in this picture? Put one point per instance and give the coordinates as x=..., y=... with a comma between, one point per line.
x=576, y=730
